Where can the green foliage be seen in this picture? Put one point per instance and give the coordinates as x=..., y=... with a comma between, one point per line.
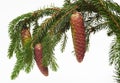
x=24, y=54
x=98, y=15
x=49, y=42
x=115, y=56
x=64, y=41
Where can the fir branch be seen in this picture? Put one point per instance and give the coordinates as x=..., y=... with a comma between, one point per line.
x=17, y=69
x=88, y=32
x=28, y=56
x=86, y=5
x=46, y=11
x=107, y=14
x=15, y=42
x=51, y=31
x=99, y=27
x=64, y=19
x=113, y=7
x=93, y=23
x=13, y=33
x=111, y=16
x=11, y=47
x=53, y=21
x=115, y=56
x=28, y=67
x=24, y=59
x=29, y=17
x=16, y=22
x=19, y=65
x=48, y=47
x=49, y=42
x=53, y=64
x=114, y=52
x=15, y=26
x=40, y=31
x=64, y=41
x=56, y=39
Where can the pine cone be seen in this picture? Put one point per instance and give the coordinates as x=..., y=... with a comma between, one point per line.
x=78, y=35
x=26, y=36
x=26, y=44
x=38, y=59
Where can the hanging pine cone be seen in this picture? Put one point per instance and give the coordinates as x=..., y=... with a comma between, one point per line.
x=26, y=36
x=26, y=44
x=38, y=59
x=78, y=35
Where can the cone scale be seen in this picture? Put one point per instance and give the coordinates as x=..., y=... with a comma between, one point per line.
x=78, y=35
x=38, y=59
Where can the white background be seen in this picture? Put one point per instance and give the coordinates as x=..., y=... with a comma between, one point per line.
x=95, y=67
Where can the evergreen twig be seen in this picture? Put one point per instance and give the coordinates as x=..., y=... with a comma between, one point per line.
x=98, y=15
